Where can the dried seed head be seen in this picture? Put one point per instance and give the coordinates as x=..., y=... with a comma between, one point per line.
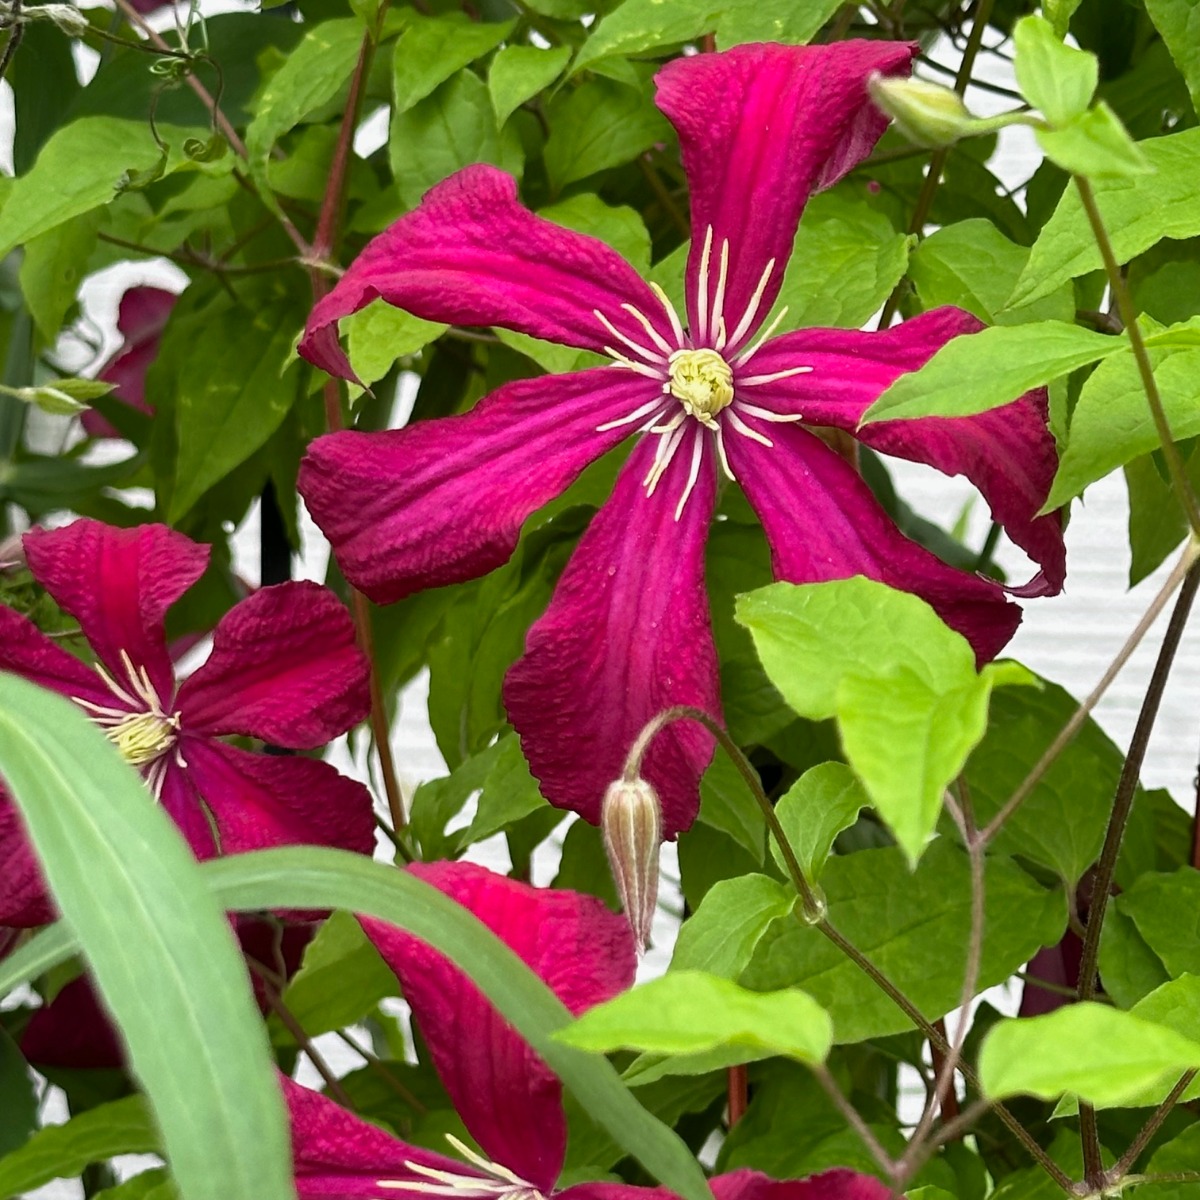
x=631, y=821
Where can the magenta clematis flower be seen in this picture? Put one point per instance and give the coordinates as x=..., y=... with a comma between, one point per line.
x=507, y=1097
x=141, y=318
x=284, y=667
x=707, y=392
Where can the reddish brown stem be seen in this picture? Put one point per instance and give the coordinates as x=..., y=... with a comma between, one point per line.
x=738, y=1094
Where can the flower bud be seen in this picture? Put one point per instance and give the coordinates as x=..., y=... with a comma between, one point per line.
x=631, y=821
x=926, y=113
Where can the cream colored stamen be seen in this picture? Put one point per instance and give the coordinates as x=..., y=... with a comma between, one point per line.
x=701, y=380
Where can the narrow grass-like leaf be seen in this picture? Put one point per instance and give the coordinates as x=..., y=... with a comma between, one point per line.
x=158, y=946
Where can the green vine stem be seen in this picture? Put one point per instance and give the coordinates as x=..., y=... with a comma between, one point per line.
x=1116, y=282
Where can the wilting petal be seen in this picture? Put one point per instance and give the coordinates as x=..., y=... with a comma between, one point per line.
x=340, y=1156
x=823, y=523
x=284, y=667
x=261, y=800
x=762, y=127
x=1007, y=453
x=73, y=1030
x=507, y=1097
x=626, y=635
x=141, y=319
x=118, y=584
x=24, y=898
x=444, y=500
x=472, y=254
x=26, y=651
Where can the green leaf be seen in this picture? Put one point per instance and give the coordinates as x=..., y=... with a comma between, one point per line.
x=235, y=386
x=971, y=264
x=1178, y=1156
x=1155, y=902
x=378, y=335
x=902, y=684
x=980, y=371
x=149, y=1185
x=620, y=227
x=720, y=936
x=80, y=168
x=1112, y=424
x=906, y=921
x=1157, y=524
x=1101, y=1055
x=431, y=49
x=510, y=793
x=1137, y=213
x=1179, y=23
x=1054, y=78
x=341, y=979
x=598, y=125
x=159, y=948
x=518, y=73
x=63, y=397
x=18, y=1097
x=1095, y=144
x=690, y=1012
x=791, y=21
x=845, y=261
x=53, y=268
x=825, y=800
x=1129, y=969
x=311, y=76
x=727, y=804
x=1061, y=824
x=640, y=25
x=312, y=877
x=61, y=1151
x=450, y=129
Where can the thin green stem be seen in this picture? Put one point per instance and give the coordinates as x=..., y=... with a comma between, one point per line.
x=854, y=1120
x=1116, y=282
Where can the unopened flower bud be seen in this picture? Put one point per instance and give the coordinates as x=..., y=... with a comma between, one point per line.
x=926, y=113
x=631, y=821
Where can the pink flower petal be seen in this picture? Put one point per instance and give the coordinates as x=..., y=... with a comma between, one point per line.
x=762, y=127
x=24, y=898
x=118, y=584
x=823, y=523
x=142, y=317
x=262, y=800
x=508, y=1098
x=626, y=635
x=73, y=1031
x=1008, y=453
x=444, y=500
x=26, y=651
x=181, y=802
x=838, y=1184
x=341, y=1157
x=472, y=254
x=284, y=667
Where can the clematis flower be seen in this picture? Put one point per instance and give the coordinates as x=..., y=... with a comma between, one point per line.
x=507, y=1097
x=141, y=318
x=706, y=392
x=284, y=667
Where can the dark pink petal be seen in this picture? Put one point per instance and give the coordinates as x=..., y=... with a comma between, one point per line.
x=472, y=254
x=823, y=523
x=26, y=651
x=183, y=805
x=762, y=127
x=142, y=317
x=284, y=667
x=507, y=1097
x=829, y=1185
x=340, y=1156
x=73, y=1030
x=444, y=500
x=626, y=635
x=1007, y=453
x=118, y=584
x=262, y=800
x=24, y=898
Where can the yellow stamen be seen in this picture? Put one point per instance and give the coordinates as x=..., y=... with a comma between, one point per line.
x=701, y=380
x=143, y=737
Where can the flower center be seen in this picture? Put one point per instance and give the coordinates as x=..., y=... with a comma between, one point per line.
x=495, y=1183
x=143, y=737
x=702, y=381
